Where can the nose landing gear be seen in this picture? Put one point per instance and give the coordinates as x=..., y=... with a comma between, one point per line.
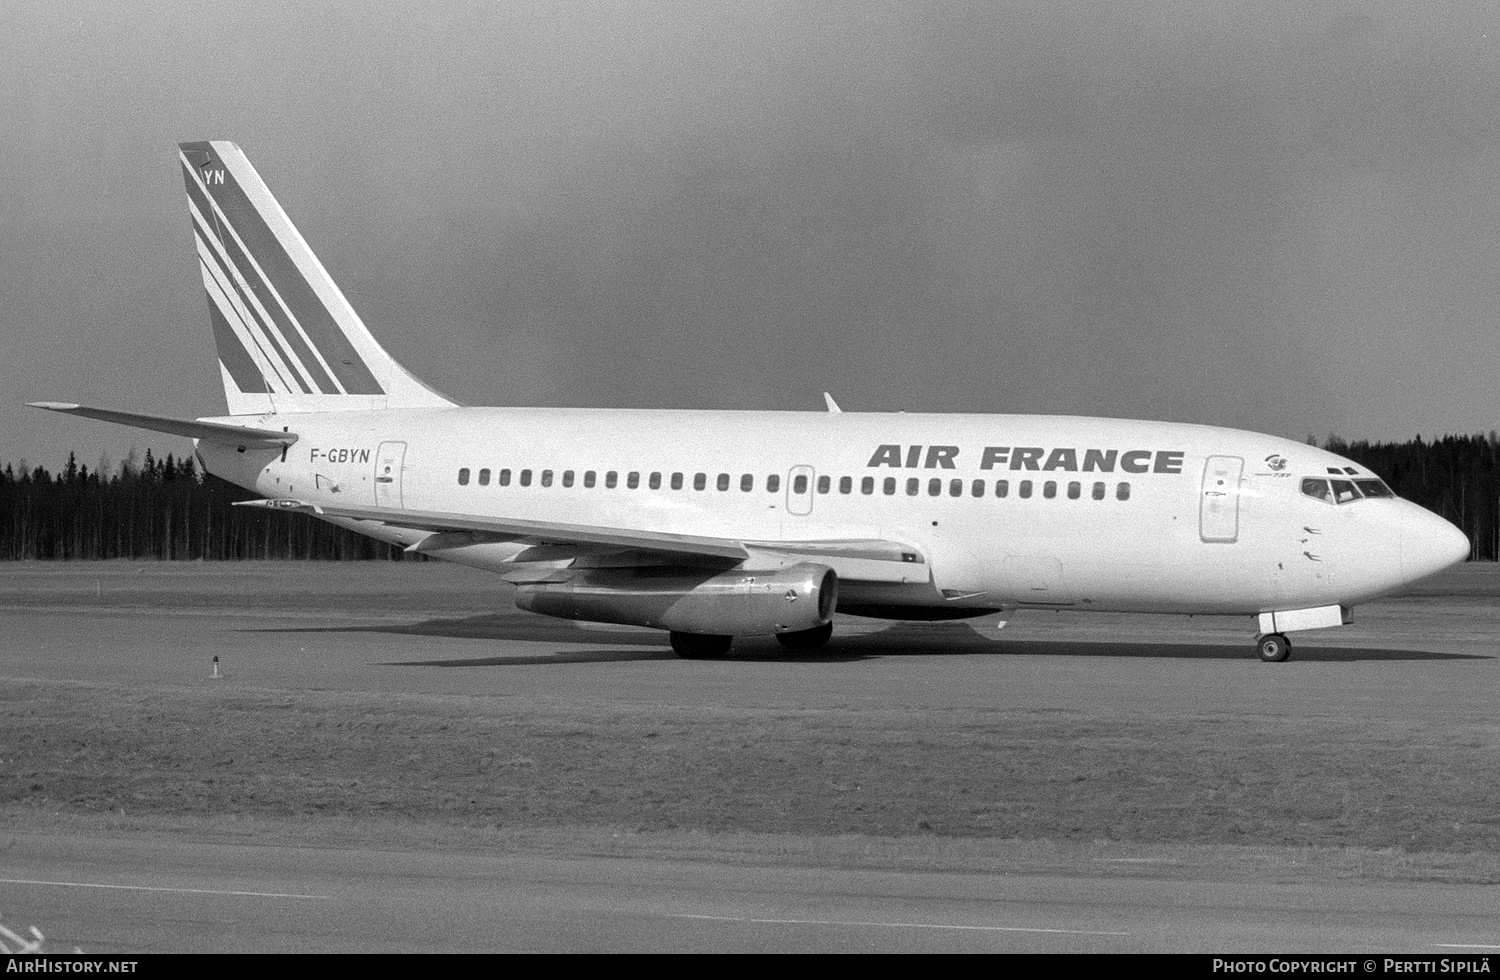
x=1273, y=647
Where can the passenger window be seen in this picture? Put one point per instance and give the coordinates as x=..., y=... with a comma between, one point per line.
x=1098, y=491
x=546, y=478
x=655, y=482
x=484, y=478
x=611, y=479
x=823, y=484
x=633, y=479
x=747, y=482
x=773, y=483
x=799, y=483
x=1343, y=491
x=1049, y=489
x=463, y=476
x=1024, y=489
x=1317, y=488
x=1074, y=490
x=978, y=488
x=567, y=478
x=867, y=485
x=846, y=484
x=723, y=481
x=889, y=489
x=934, y=487
x=505, y=477
x=913, y=486
x=676, y=481
x=1002, y=488
x=525, y=478
x=1122, y=492
x=588, y=478
x=700, y=480
x=955, y=488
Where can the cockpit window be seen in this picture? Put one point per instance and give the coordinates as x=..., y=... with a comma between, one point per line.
x=1335, y=491
x=1317, y=488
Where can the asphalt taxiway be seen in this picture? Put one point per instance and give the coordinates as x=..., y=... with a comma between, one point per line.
x=1432, y=655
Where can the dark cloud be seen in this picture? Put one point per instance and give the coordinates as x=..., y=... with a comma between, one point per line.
x=1276, y=217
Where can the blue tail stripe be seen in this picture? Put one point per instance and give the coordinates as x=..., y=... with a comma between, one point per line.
x=195, y=194
x=236, y=360
x=320, y=381
x=294, y=289
x=268, y=364
x=258, y=328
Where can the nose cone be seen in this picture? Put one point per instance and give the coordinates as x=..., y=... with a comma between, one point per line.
x=1429, y=544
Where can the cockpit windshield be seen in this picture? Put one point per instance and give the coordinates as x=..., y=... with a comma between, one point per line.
x=1374, y=488
x=1336, y=491
x=1343, y=491
x=1317, y=488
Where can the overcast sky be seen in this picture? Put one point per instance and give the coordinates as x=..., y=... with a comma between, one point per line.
x=1280, y=216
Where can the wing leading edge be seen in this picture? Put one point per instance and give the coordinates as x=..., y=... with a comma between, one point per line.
x=865, y=559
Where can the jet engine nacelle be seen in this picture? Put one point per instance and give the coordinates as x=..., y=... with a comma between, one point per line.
x=736, y=603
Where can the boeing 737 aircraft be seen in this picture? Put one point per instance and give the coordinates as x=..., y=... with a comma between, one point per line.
x=717, y=524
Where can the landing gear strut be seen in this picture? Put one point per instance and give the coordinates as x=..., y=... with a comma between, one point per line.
x=1273, y=647
x=812, y=639
x=700, y=646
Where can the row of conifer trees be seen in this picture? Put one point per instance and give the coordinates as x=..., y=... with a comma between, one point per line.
x=156, y=508
x=166, y=509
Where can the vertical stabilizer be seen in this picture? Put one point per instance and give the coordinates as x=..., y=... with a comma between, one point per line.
x=288, y=340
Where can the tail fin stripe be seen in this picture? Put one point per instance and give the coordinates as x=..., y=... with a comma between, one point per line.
x=246, y=220
x=234, y=292
x=288, y=341
x=270, y=374
x=272, y=317
x=232, y=353
x=198, y=199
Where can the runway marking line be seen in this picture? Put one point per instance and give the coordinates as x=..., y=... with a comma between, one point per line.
x=893, y=925
x=155, y=888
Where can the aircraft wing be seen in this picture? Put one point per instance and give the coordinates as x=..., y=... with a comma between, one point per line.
x=863, y=559
x=192, y=428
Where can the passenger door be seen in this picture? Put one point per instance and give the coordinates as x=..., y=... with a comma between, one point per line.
x=389, y=460
x=1219, y=502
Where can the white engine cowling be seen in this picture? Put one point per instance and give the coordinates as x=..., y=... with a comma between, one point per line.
x=734, y=603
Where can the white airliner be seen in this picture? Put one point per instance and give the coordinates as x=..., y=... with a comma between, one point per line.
x=717, y=524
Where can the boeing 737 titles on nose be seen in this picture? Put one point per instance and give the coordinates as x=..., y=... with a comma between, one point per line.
x=717, y=524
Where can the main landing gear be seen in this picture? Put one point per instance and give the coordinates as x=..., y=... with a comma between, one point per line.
x=1273, y=647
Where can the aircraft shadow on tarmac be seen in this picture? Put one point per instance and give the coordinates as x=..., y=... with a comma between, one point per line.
x=949, y=639
x=897, y=640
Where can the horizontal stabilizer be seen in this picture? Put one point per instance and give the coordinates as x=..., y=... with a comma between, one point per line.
x=234, y=435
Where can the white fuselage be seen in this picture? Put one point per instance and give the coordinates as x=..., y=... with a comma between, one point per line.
x=1099, y=514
